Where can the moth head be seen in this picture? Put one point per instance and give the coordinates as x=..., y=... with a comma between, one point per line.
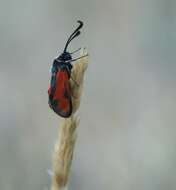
x=65, y=56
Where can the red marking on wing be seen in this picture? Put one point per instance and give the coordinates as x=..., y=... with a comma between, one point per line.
x=62, y=94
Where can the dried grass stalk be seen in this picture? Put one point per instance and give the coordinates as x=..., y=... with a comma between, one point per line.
x=78, y=75
x=64, y=146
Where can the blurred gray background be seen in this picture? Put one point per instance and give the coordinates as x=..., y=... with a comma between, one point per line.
x=127, y=135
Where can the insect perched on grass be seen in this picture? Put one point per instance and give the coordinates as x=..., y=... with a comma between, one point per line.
x=59, y=92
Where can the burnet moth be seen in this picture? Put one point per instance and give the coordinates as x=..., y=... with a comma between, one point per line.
x=59, y=93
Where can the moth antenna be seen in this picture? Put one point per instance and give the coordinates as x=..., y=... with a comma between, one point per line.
x=74, y=34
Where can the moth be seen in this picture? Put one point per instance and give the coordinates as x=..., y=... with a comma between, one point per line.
x=59, y=92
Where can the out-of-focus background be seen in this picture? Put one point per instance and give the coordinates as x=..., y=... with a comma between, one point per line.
x=127, y=134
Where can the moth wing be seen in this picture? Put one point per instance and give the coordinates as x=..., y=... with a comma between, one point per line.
x=59, y=94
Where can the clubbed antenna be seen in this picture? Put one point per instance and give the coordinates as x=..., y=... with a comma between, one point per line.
x=74, y=34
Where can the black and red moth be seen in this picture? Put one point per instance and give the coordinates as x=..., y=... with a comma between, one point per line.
x=59, y=93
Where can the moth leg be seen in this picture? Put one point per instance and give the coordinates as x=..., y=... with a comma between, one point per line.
x=76, y=58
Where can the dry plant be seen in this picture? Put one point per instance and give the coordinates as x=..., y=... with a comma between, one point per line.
x=64, y=146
